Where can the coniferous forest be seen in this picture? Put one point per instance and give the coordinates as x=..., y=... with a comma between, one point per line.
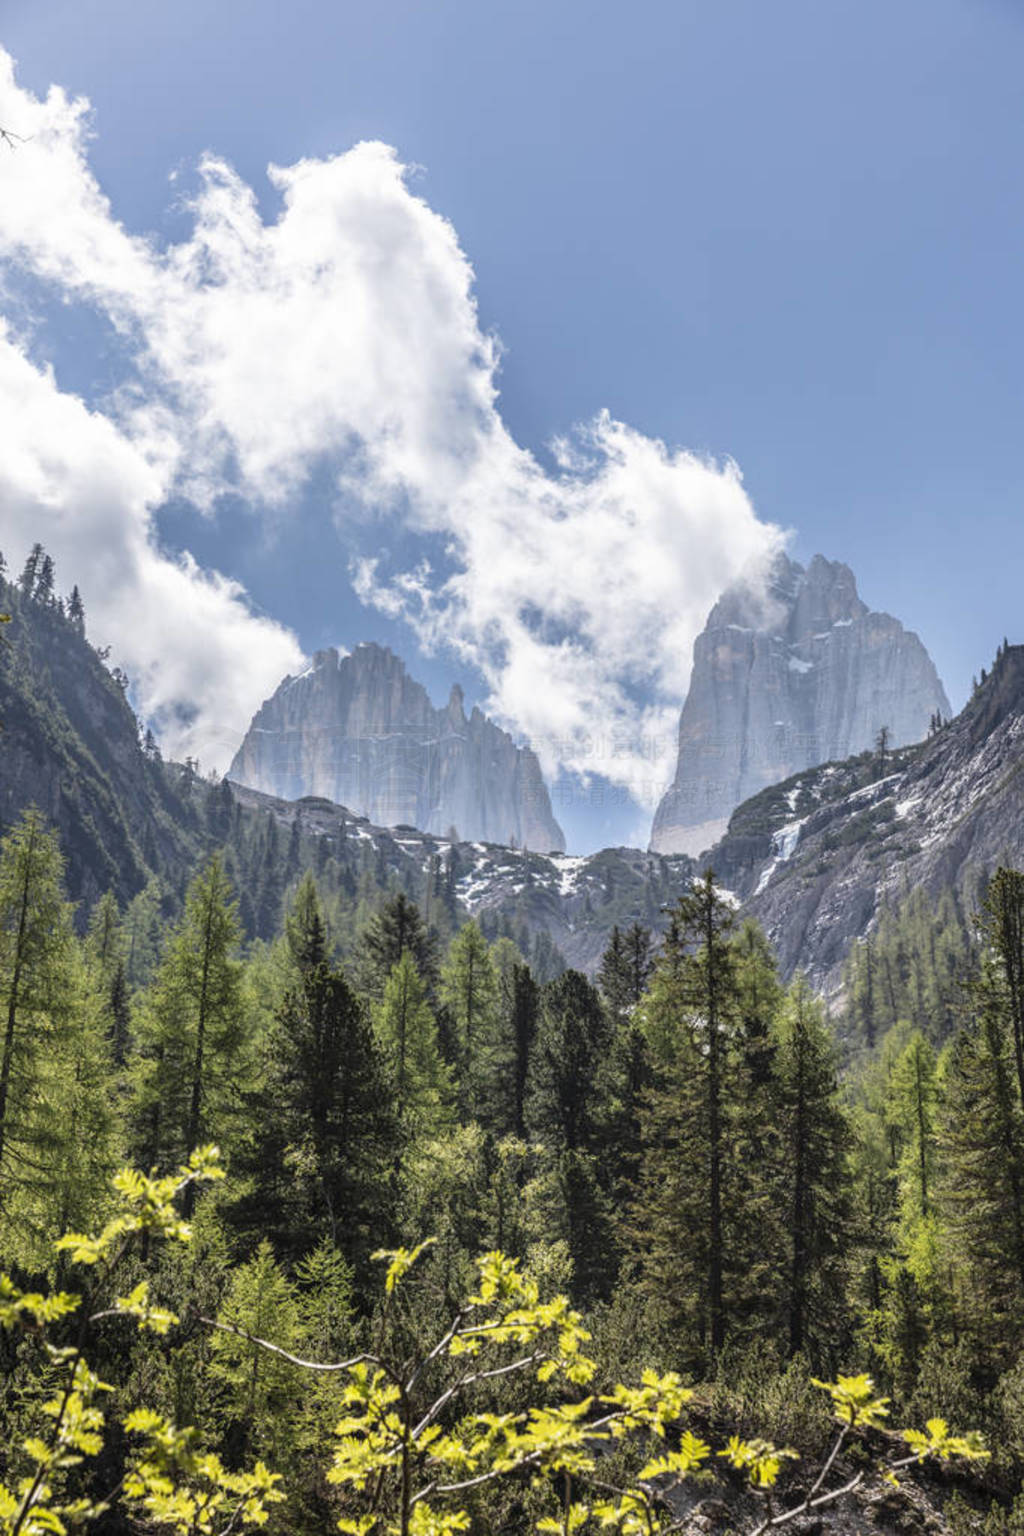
x=322, y=1208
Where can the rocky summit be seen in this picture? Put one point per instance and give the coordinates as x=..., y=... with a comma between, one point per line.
x=358, y=730
x=816, y=859
x=782, y=681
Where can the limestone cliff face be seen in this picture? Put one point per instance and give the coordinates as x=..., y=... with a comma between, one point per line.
x=807, y=678
x=359, y=730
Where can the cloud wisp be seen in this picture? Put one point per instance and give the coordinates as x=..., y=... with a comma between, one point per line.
x=344, y=332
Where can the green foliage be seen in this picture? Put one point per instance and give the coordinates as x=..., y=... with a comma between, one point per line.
x=195, y=1051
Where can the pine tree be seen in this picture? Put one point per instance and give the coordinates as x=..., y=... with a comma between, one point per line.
x=193, y=1029
x=220, y=808
x=760, y=996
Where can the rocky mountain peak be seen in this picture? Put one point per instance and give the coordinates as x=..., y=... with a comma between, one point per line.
x=796, y=674
x=357, y=729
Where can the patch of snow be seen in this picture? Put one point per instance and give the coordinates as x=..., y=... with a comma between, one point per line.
x=567, y=866
x=796, y=665
x=841, y=623
x=784, y=842
x=787, y=838
x=743, y=629
x=792, y=796
x=904, y=807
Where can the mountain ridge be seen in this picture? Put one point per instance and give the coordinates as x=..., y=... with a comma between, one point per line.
x=784, y=679
x=359, y=730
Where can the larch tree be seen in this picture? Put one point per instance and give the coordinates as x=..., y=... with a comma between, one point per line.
x=195, y=1049
x=469, y=991
x=36, y=950
x=407, y=1030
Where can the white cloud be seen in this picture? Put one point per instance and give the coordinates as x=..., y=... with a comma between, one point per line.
x=199, y=658
x=345, y=331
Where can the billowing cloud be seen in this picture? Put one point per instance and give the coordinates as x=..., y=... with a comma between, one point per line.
x=199, y=658
x=344, y=331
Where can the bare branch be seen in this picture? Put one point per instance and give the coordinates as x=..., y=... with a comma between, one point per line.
x=275, y=1349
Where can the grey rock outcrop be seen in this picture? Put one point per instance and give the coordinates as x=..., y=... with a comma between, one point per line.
x=358, y=730
x=781, y=683
x=814, y=860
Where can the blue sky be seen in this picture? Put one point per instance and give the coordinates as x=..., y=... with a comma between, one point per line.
x=789, y=235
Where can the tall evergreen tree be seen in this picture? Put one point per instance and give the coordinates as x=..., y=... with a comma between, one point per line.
x=195, y=1057
x=328, y=1131
x=76, y=611
x=469, y=991
x=983, y=1141
x=1002, y=930
x=626, y=968
x=305, y=928
x=407, y=1031
x=688, y=1255
x=913, y=1110
x=30, y=573
x=36, y=947
x=564, y=1103
x=813, y=1177
x=395, y=928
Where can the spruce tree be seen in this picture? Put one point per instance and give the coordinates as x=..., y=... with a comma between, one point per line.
x=626, y=968
x=395, y=928
x=76, y=611
x=983, y=1143
x=1002, y=930
x=328, y=1132
x=44, y=582
x=523, y=1010
x=564, y=1103
x=688, y=1255
x=30, y=573
x=813, y=1191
